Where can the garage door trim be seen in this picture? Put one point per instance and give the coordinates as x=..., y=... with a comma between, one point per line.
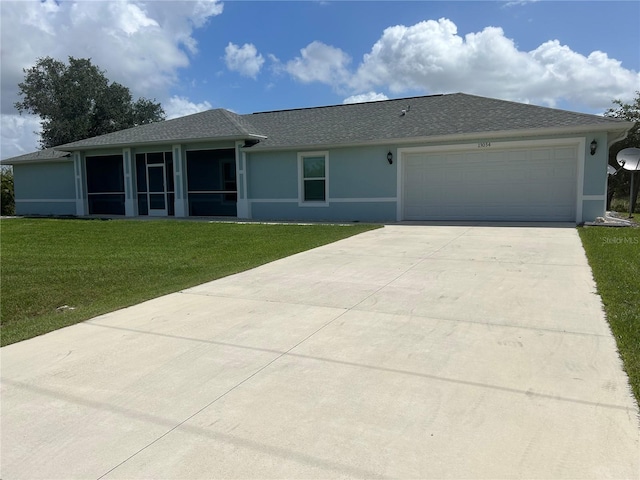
x=490, y=145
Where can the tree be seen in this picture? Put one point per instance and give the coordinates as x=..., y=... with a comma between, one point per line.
x=77, y=101
x=620, y=184
x=7, y=200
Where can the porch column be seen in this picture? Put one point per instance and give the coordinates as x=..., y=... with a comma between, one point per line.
x=81, y=194
x=242, y=204
x=181, y=205
x=129, y=204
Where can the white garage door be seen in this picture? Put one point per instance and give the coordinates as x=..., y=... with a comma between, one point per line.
x=529, y=184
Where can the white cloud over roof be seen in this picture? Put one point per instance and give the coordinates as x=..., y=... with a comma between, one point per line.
x=178, y=106
x=319, y=62
x=431, y=57
x=366, y=97
x=245, y=60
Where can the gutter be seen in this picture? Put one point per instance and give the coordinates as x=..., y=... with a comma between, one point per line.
x=612, y=140
x=182, y=141
x=491, y=135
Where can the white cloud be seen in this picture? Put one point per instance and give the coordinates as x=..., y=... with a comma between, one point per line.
x=245, y=60
x=431, y=57
x=594, y=80
x=140, y=44
x=519, y=3
x=20, y=134
x=366, y=97
x=320, y=63
x=180, y=106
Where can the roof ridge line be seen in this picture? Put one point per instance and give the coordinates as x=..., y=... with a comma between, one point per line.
x=242, y=122
x=231, y=117
x=355, y=103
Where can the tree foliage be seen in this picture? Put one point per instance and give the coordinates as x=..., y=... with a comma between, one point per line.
x=76, y=101
x=631, y=113
x=620, y=184
x=7, y=200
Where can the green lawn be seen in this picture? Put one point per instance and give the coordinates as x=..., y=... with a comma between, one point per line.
x=99, y=266
x=614, y=256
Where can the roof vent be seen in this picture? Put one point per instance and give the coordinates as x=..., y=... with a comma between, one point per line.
x=404, y=111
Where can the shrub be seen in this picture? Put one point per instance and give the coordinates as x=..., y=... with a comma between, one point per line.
x=7, y=201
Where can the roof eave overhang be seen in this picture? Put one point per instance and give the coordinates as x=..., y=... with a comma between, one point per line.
x=9, y=161
x=179, y=141
x=616, y=129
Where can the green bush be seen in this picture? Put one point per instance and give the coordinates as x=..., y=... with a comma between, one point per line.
x=622, y=206
x=7, y=201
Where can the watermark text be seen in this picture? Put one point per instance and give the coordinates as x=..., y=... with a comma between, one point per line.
x=620, y=241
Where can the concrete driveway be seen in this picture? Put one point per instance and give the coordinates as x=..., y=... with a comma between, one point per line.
x=406, y=352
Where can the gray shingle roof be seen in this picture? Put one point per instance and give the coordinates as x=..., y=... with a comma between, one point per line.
x=208, y=125
x=46, y=154
x=353, y=124
x=427, y=116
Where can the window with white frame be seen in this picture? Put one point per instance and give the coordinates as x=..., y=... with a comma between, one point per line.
x=313, y=168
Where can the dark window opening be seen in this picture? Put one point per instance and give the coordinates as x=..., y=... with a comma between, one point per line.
x=105, y=185
x=211, y=182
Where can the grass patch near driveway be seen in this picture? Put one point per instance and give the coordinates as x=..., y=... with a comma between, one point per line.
x=614, y=256
x=96, y=267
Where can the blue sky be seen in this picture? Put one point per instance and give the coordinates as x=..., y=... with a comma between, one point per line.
x=255, y=56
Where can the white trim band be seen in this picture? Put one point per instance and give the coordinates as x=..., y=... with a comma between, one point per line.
x=273, y=200
x=364, y=200
x=45, y=200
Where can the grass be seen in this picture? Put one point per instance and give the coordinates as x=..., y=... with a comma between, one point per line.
x=99, y=266
x=614, y=256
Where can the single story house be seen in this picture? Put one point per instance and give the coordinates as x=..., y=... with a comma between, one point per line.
x=453, y=157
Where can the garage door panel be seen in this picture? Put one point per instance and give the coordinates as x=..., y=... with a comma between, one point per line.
x=516, y=184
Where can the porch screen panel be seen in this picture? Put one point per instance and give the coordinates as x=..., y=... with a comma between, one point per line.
x=171, y=197
x=141, y=184
x=211, y=182
x=105, y=185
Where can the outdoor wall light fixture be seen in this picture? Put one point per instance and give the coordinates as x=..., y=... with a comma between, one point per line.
x=593, y=146
x=390, y=157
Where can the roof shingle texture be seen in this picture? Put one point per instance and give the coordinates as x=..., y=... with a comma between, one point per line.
x=431, y=116
x=211, y=124
x=426, y=116
x=46, y=154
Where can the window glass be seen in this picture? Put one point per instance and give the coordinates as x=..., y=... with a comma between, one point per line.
x=313, y=167
x=314, y=190
x=314, y=182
